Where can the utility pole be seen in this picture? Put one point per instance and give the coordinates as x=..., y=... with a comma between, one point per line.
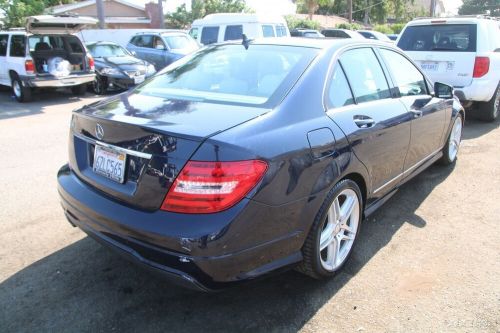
x=162, y=18
x=432, y=9
x=349, y=10
x=100, y=13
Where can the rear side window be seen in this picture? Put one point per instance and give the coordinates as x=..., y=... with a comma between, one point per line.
x=3, y=44
x=339, y=93
x=280, y=31
x=143, y=41
x=335, y=33
x=408, y=78
x=439, y=37
x=367, y=35
x=267, y=30
x=17, y=46
x=209, y=35
x=233, y=32
x=365, y=75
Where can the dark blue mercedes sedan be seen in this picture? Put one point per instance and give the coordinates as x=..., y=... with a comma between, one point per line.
x=250, y=157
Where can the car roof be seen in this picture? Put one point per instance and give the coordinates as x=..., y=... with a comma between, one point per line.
x=473, y=19
x=317, y=43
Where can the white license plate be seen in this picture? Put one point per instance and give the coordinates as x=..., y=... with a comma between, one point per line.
x=109, y=163
x=430, y=66
x=139, y=79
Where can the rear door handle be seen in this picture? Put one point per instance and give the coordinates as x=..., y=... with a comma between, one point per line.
x=363, y=121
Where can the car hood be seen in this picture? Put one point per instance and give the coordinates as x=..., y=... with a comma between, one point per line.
x=118, y=61
x=184, y=118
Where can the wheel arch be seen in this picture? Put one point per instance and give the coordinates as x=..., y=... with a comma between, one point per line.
x=360, y=181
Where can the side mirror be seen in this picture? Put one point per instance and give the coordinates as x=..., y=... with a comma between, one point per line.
x=133, y=53
x=442, y=90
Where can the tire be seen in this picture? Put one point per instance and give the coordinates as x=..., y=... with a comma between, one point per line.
x=450, y=149
x=79, y=90
x=318, y=262
x=99, y=85
x=21, y=93
x=488, y=111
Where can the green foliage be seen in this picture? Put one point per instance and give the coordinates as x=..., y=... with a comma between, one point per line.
x=488, y=7
x=397, y=27
x=182, y=18
x=349, y=26
x=311, y=6
x=383, y=28
x=295, y=22
x=16, y=11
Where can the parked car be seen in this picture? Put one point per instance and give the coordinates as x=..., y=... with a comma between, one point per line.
x=393, y=37
x=463, y=52
x=341, y=33
x=162, y=48
x=217, y=28
x=45, y=55
x=305, y=33
x=372, y=34
x=241, y=160
x=117, y=67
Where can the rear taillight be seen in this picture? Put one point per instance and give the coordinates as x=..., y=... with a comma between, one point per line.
x=91, y=62
x=29, y=66
x=210, y=187
x=481, y=66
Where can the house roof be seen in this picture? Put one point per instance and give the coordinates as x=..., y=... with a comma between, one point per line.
x=72, y=6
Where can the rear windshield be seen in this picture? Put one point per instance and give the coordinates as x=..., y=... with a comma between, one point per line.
x=232, y=74
x=444, y=37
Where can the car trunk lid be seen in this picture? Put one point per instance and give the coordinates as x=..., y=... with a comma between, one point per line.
x=156, y=135
x=57, y=24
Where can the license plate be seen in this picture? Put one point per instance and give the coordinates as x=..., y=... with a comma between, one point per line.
x=430, y=66
x=109, y=163
x=139, y=79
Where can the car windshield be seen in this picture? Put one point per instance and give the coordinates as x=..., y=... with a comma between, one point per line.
x=179, y=42
x=107, y=50
x=439, y=37
x=231, y=73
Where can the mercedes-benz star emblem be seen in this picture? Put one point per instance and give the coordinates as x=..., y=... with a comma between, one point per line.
x=99, y=132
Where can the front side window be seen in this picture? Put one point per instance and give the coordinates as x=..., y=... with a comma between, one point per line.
x=408, y=78
x=363, y=71
x=339, y=93
x=231, y=74
x=267, y=30
x=194, y=33
x=439, y=37
x=280, y=31
x=233, y=32
x=3, y=44
x=209, y=35
x=17, y=46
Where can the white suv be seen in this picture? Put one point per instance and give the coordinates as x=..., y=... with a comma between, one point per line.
x=463, y=52
x=25, y=56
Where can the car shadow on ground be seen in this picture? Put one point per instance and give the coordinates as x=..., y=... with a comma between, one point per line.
x=10, y=108
x=85, y=287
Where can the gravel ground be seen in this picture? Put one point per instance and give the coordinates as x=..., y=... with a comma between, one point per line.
x=428, y=260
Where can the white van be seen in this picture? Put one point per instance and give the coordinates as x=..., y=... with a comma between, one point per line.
x=216, y=28
x=463, y=52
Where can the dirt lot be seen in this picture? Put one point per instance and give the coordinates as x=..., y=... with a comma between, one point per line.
x=429, y=260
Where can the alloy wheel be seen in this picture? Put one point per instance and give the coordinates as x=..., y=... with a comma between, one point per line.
x=339, y=230
x=455, y=137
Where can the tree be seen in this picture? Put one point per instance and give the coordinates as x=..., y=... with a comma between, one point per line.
x=311, y=6
x=16, y=11
x=487, y=7
x=182, y=18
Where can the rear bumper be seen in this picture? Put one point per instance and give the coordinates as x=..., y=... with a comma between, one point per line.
x=209, y=261
x=478, y=91
x=51, y=82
